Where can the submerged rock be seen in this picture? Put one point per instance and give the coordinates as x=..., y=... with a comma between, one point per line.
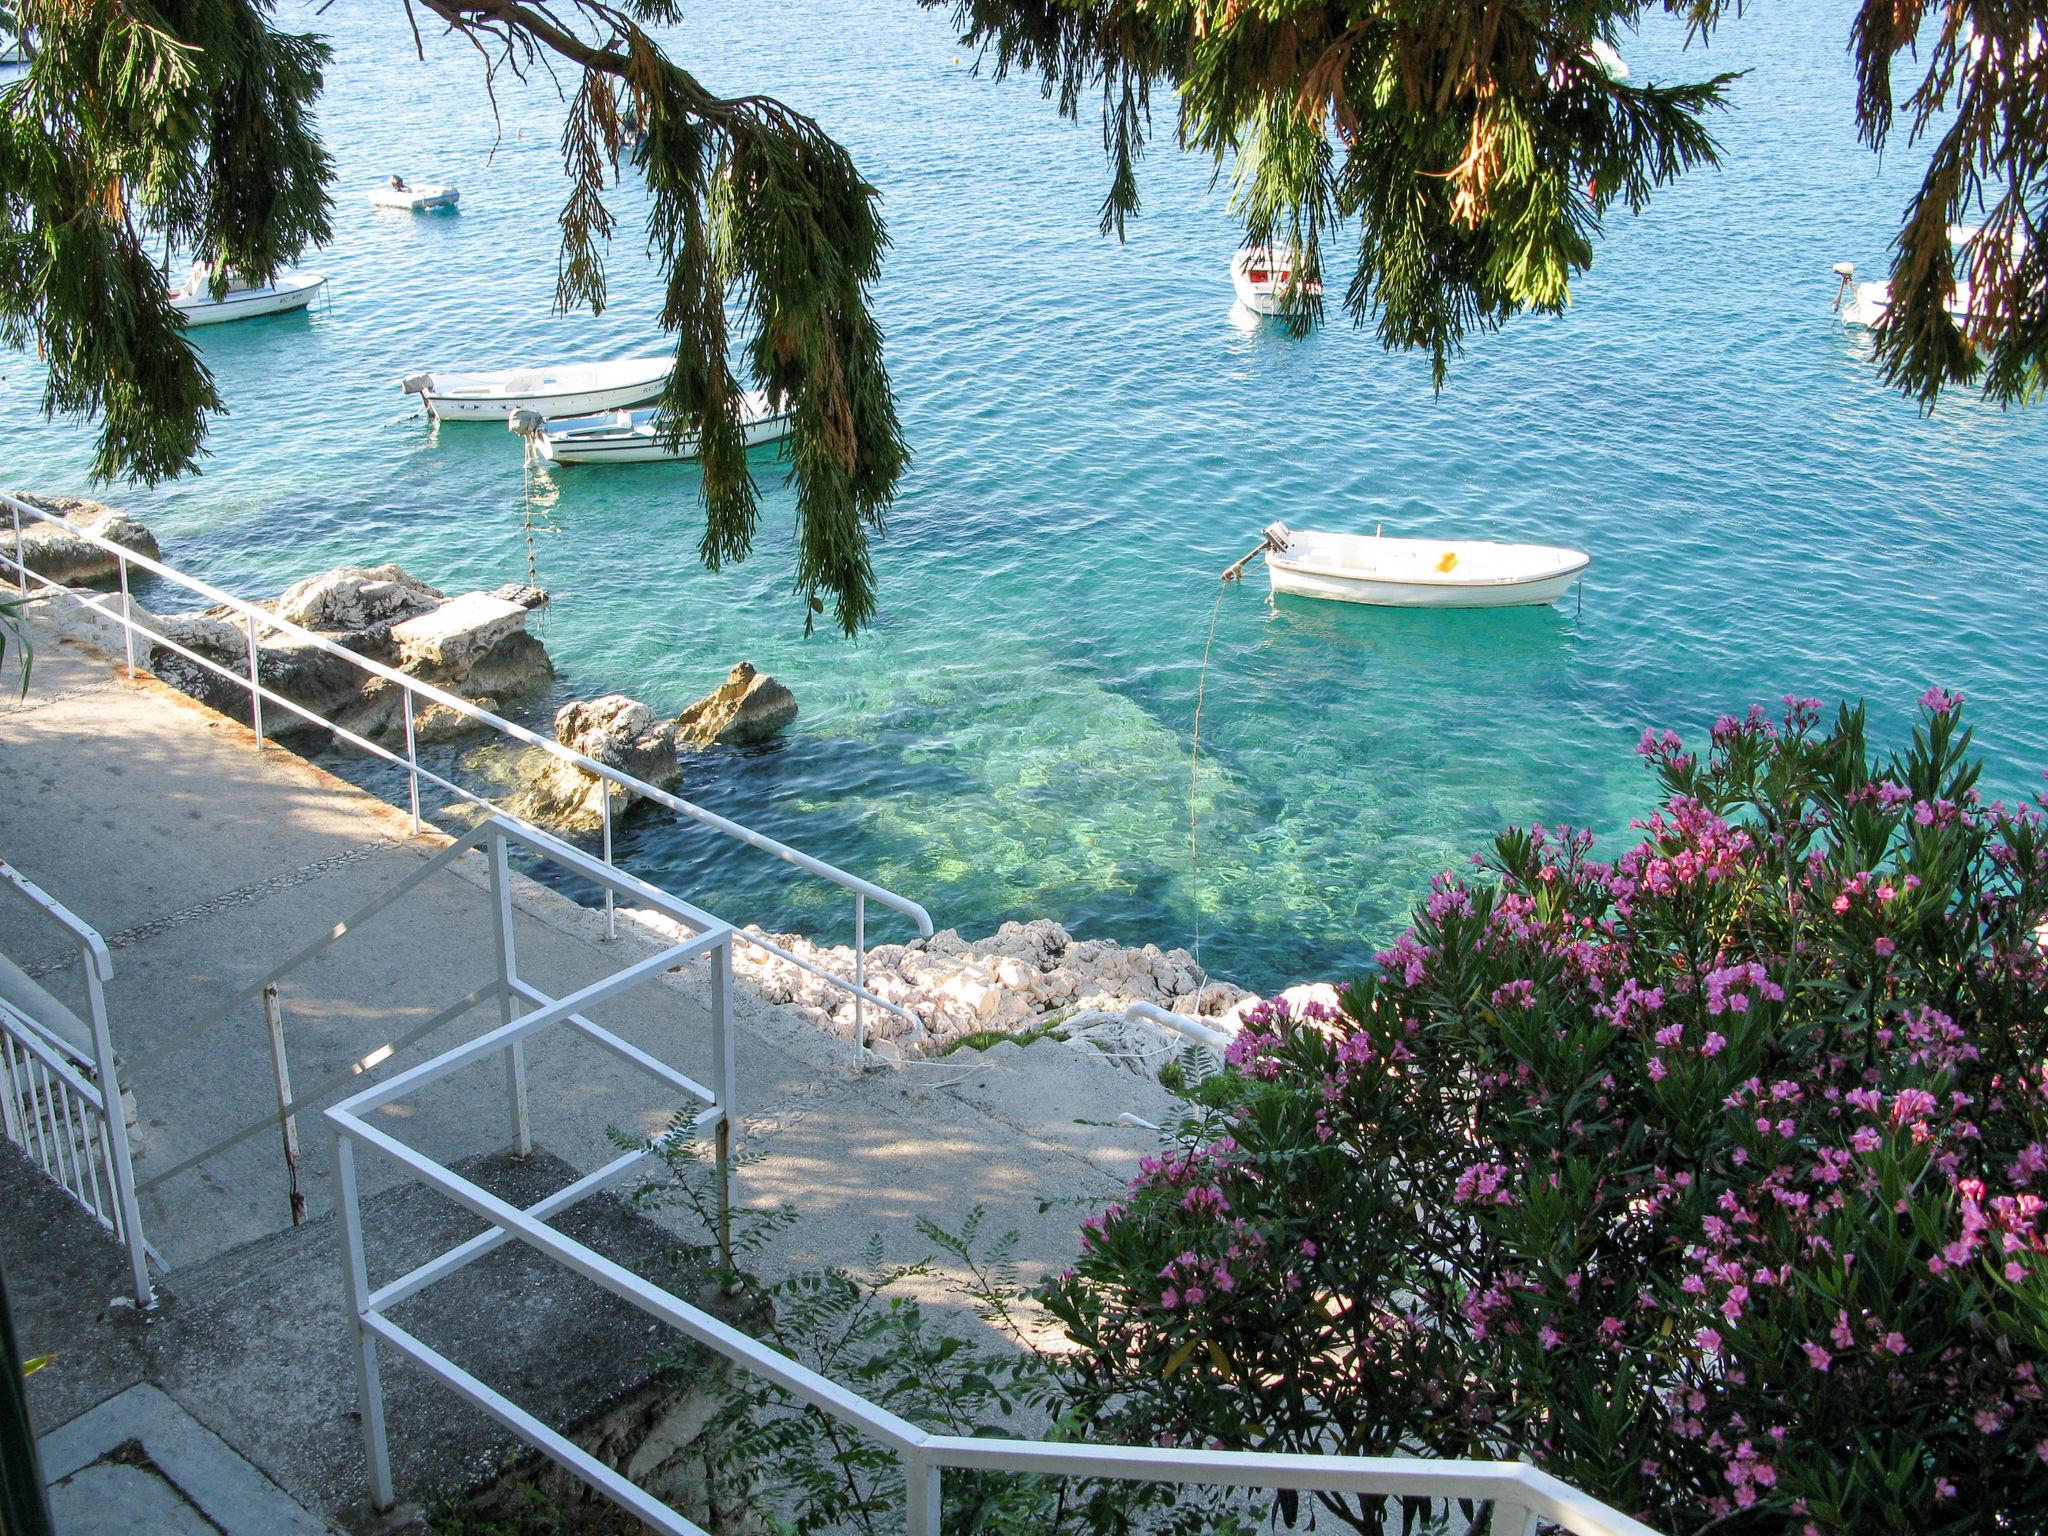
x=616, y=731
x=748, y=706
x=57, y=553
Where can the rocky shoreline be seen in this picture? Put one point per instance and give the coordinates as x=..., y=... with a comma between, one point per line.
x=1028, y=981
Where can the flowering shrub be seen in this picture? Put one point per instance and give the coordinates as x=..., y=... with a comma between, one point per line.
x=1710, y=1179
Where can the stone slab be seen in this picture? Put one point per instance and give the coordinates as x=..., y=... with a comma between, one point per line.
x=138, y=1462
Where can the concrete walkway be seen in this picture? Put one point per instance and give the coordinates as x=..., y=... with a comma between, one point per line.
x=206, y=858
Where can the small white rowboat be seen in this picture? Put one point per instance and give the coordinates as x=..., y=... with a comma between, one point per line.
x=415, y=196
x=629, y=437
x=291, y=290
x=1418, y=573
x=1870, y=304
x=570, y=389
x=1261, y=275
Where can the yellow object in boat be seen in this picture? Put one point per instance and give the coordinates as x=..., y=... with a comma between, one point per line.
x=1450, y=559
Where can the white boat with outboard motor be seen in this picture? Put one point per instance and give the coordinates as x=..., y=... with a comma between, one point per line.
x=414, y=196
x=562, y=389
x=1418, y=573
x=1261, y=275
x=1869, y=304
x=243, y=300
x=630, y=437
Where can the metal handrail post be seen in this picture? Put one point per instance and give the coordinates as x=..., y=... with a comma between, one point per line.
x=412, y=762
x=611, y=919
x=287, y=1121
x=127, y=615
x=255, y=681
x=1513, y=1519
x=725, y=1083
x=860, y=978
x=20, y=554
x=923, y=1496
x=510, y=1004
x=114, y=1116
x=356, y=1269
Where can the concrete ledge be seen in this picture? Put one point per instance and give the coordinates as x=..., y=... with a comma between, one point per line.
x=139, y=1462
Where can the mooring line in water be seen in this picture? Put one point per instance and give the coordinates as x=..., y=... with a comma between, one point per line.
x=1231, y=573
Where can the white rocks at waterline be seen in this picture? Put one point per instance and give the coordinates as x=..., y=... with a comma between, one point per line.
x=1022, y=978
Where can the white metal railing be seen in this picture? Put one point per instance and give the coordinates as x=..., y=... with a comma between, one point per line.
x=61, y=1104
x=257, y=623
x=493, y=837
x=1520, y=1494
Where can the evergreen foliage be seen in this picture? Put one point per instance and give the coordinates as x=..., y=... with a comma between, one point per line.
x=143, y=124
x=1478, y=147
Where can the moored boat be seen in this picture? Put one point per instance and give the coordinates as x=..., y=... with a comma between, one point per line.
x=1261, y=275
x=563, y=389
x=414, y=196
x=1869, y=304
x=243, y=300
x=630, y=437
x=1418, y=573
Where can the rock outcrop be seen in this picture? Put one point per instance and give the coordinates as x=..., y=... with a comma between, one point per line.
x=475, y=646
x=616, y=731
x=57, y=553
x=748, y=706
x=354, y=598
x=1024, y=978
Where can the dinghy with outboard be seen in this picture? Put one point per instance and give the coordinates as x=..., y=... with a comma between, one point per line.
x=630, y=437
x=1418, y=573
x=243, y=300
x=564, y=389
x=1261, y=274
x=414, y=196
x=1869, y=304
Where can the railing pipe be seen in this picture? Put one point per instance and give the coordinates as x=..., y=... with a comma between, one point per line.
x=860, y=978
x=20, y=554
x=1180, y=1023
x=127, y=615
x=611, y=919
x=356, y=1272
x=923, y=1496
x=255, y=678
x=412, y=764
x=287, y=1121
x=510, y=1004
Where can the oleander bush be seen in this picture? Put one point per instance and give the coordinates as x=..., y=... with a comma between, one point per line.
x=1709, y=1178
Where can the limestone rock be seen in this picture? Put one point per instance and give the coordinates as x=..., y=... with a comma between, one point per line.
x=59, y=554
x=522, y=593
x=748, y=706
x=616, y=731
x=356, y=597
x=448, y=640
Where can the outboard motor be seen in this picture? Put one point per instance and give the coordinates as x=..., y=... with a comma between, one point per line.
x=1846, y=271
x=416, y=383
x=527, y=423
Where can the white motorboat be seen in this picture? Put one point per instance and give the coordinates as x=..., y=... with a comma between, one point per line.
x=1603, y=58
x=565, y=389
x=243, y=301
x=629, y=437
x=1867, y=304
x=1261, y=275
x=1418, y=573
x=414, y=196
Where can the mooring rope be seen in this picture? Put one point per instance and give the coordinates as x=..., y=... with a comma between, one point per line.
x=1195, y=782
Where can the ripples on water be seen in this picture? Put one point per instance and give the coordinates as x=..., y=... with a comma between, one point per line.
x=1096, y=438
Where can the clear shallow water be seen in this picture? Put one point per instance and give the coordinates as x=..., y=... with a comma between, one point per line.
x=1096, y=438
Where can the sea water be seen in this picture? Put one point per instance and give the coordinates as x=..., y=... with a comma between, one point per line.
x=1097, y=436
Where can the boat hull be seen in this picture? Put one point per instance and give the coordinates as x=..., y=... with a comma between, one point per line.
x=626, y=445
x=416, y=199
x=582, y=402
x=277, y=299
x=1534, y=593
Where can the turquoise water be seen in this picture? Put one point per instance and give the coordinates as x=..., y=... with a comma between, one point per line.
x=1096, y=438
